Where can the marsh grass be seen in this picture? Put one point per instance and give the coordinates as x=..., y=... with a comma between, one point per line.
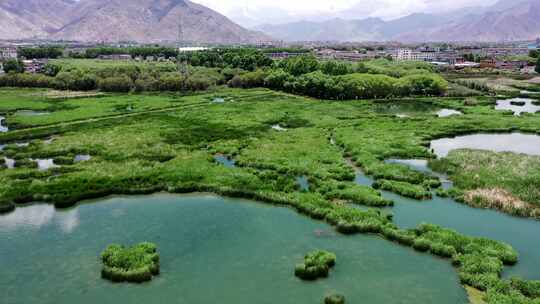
x=172, y=151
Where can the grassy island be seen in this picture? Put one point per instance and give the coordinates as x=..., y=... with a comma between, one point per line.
x=316, y=265
x=508, y=182
x=135, y=264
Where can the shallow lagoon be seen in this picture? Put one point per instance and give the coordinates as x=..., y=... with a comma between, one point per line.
x=213, y=250
x=521, y=233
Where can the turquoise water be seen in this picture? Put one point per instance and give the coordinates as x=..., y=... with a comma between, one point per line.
x=213, y=250
x=225, y=161
x=521, y=233
x=303, y=182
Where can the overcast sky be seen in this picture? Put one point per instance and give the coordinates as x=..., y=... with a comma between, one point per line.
x=251, y=12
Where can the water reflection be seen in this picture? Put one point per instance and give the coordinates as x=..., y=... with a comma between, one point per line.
x=31, y=113
x=279, y=128
x=81, y=158
x=226, y=161
x=518, y=106
x=448, y=112
x=3, y=128
x=303, y=182
x=45, y=164
x=35, y=217
x=10, y=163
x=512, y=142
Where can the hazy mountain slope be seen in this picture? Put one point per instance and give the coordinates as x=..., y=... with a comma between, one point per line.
x=31, y=18
x=519, y=22
x=504, y=21
x=119, y=20
x=331, y=30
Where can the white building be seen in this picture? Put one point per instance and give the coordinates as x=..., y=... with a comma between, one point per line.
x=413, y=55
x=8, y=52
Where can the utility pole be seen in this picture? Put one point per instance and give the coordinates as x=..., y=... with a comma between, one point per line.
x=182, y=65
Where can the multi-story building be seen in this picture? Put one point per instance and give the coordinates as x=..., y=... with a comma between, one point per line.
x=414, y=55
x=8, y=52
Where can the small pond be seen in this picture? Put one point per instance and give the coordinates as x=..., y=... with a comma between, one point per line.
x=3, y=128
x=213, y=250
x=448, y=113
x=303, y=182
x=81, y=158
x=45, y=164
x=405, y=108
x=409, y=109
x=31, y=113
x=511, y=142
x=10, y=163
x=279, y=128
x=225, y=160
x=519, y=108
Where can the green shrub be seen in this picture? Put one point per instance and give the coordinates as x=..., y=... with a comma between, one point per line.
x=421, y=244
x=316, y=265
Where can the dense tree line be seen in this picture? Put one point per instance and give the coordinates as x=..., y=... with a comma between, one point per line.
x=246, y=59
x=13, y=66
x=306, y=75
x=40, y=52
x=144, y=52
x=117, y=79
x=242, y=68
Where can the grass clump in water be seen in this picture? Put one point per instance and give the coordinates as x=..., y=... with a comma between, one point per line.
x=334, y=299
x=403, y=188
x=316, y=265
x=135, y=264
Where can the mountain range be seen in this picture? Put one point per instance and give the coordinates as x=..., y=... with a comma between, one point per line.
x=119, y=20
x=515, y=20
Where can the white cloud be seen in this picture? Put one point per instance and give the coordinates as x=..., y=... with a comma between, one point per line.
x=251, y=12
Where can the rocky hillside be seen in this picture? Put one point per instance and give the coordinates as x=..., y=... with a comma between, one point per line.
x=119, y=20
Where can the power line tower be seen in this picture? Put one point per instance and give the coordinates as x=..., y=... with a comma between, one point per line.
x=180, y=33
x=182, y=64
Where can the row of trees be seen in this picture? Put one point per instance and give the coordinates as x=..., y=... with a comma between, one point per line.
x=80, y=80
x=92, y=53
x=246, y=59
x=350, y=86
x=41, y=52
x=245, y=68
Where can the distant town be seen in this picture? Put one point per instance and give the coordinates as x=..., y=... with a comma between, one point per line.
x=517, y=56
